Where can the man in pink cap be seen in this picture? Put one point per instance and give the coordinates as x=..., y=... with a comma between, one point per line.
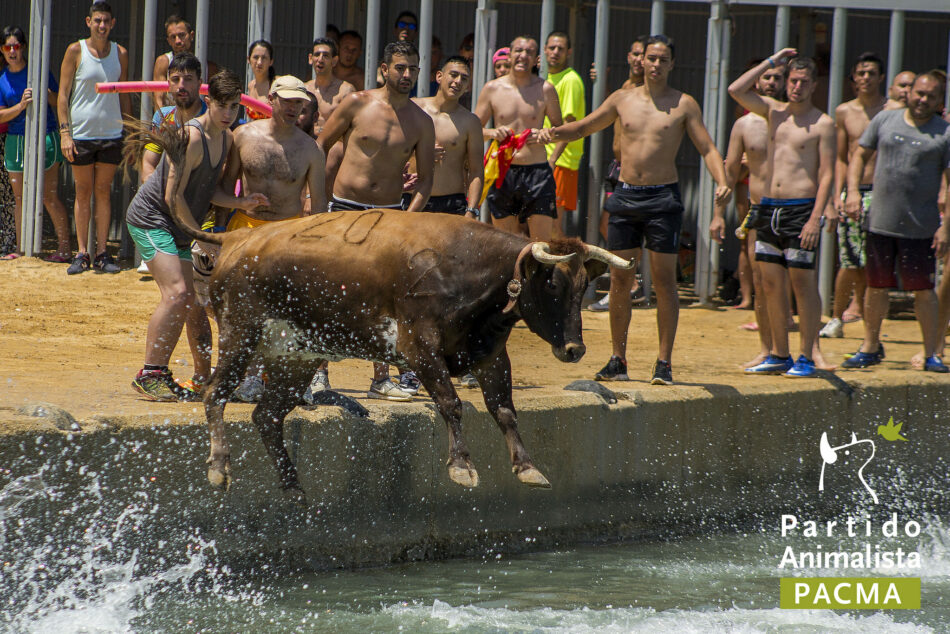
x=500, y=62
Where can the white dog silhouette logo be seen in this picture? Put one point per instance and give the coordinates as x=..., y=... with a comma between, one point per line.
x=829, y=455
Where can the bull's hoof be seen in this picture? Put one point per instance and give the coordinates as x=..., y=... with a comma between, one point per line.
x=219, y=478
x=295, y=495
x=533, y=478
x=465, y=476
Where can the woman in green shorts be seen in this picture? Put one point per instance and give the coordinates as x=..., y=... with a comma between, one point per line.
x=15, y=98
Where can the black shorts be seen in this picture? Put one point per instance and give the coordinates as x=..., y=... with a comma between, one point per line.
x=650, y=214
x=527, y=190
x=455, y=204
x=98, y=151
x=913, y=258
x=778, y=225
x=342, y=204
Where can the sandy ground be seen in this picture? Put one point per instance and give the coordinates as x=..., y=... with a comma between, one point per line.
x=77, y=341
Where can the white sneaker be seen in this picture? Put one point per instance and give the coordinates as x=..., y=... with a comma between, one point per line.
x=833, y=329
x=601, y=305
x=143, y=268
x=250, y=390
x=320, y=383
x=388, y=391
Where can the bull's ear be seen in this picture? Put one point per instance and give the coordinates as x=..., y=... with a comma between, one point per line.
x=595, y=268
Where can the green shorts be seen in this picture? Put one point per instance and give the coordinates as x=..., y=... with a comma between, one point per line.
x=150, y=241
x=852, y=234
x=15, y=150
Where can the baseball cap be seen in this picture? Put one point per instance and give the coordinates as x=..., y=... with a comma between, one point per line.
x=288, y=87
x=501, y=53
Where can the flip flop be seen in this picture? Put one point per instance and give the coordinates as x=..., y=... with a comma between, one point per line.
x=10, y=256
x=850, y=318
x=57, y=258
x=751, y=326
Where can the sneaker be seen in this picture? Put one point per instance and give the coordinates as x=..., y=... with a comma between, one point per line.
x=803, y=369
x=143, y=268
x=833, y=329
x=615, y=370
x=864, y=359
x=469, y=381
x=388, y=391
x=601, y=305
x=250, y=390
x=105, y=263
x=155, y=385
x=662, y=373
x=772, y=365
x=935, y=364
x=409, y=382
x=320, y=383
x=80, y=264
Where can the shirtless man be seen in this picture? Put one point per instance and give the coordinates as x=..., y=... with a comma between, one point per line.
x=381, y=129
x=351, y=48
x=180, y=36
x=459, y=172
x=646, y=203
x=748, y=142
x=899, y=89
x=517, y=102
x=801, y=154
x=851, y=119
x=329, y=91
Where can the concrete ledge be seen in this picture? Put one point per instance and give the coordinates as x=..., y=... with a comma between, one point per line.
x=653, y=464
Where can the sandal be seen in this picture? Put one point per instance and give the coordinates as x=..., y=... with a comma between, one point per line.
x=751, y=326
x=850, y=318
x=10, y=256
x=58, y=259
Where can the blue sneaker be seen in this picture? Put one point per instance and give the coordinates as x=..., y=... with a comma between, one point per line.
x=772, y=365
x=864, y=359
x=935, y=364
x=803, y=369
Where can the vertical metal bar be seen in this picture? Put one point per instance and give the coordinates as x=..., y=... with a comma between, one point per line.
x=372, y=43
x=201, y=35
x=783, y=21
x=826, y=255
x=946, y=89
x=547, y=25
x=425, y=47
x=596, y=160
x=148, y=54
x=704, y=244
x=31, y=219
x=895, y=45
x=657, y=17
x=319, y=18
x=484, y=47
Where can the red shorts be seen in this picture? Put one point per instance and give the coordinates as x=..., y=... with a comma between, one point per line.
x=914, y=259
x=565, y=181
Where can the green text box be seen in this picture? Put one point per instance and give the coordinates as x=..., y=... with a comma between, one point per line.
x=850, y=593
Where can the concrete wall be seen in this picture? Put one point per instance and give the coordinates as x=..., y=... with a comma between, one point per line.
x=378, y=492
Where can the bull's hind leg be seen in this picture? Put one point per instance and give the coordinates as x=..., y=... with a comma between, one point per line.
x=494, y=377
x=236, y=342
x=284, y=390
x=434, y=375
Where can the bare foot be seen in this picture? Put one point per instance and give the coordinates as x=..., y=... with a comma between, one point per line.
x=917, y=361
x=743, y=306
x=759, y=358
x=820, y=362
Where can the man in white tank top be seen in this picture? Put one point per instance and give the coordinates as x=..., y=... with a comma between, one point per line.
x=91, y=130
x=180, y=36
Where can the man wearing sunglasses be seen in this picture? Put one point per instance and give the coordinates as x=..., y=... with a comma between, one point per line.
x=406, y=27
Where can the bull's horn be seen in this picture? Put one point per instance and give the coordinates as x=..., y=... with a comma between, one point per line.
x=542, y=253
x=596, y=253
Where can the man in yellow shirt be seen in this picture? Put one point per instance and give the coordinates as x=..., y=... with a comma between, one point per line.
x=564, y=158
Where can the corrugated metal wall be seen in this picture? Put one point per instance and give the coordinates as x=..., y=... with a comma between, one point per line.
x=686, y=22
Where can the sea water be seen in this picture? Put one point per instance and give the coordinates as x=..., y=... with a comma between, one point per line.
x=95, y=575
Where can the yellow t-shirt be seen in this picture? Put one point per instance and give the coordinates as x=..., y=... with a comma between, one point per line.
x=570, y=94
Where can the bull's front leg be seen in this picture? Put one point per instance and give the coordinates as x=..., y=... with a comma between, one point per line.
x=494, y=377
x=434, y=375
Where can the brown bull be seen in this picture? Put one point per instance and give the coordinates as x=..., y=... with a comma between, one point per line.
x=434, y=293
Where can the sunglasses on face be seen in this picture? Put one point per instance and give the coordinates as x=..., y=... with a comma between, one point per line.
x=9, y=48
x=406, y=25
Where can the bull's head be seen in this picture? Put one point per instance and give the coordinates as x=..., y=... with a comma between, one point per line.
x=555, y=279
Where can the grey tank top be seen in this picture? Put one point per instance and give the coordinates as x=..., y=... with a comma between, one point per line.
x=148, y=209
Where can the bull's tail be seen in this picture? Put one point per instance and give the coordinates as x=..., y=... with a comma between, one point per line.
x=174, y=143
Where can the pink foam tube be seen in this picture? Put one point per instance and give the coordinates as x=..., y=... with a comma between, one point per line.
x=162, y=86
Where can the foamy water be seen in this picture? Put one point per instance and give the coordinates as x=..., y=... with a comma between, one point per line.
x=94, y=575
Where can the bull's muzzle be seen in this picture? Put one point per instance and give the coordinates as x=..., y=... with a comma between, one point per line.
x=571, y=353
